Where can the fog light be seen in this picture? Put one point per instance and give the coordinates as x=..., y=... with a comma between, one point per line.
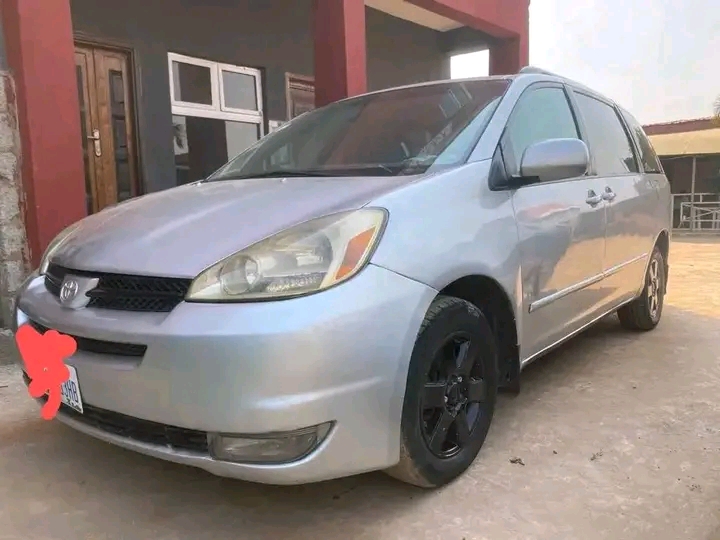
x=270, y=448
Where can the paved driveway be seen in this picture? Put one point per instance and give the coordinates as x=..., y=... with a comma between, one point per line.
x=619, y=437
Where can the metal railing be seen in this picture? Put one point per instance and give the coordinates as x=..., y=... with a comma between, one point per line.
x=696, y=213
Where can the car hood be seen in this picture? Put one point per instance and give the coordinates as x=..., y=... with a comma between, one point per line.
x=182, y=231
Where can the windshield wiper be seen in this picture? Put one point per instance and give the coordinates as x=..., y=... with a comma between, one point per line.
x=276, y=174
x=407, y=166
x=354, y=170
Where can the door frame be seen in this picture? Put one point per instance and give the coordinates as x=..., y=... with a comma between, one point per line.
x=571, y=290
x=83, y=39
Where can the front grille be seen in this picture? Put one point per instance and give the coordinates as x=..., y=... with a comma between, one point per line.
x=100, y=347
x=144, y=431
x=53, y=280
x=123, y=292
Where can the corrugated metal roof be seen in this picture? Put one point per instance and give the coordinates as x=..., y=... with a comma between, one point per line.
x=682, y=126
x=690, y=143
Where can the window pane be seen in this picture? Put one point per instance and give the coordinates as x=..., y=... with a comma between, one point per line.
x=192, y=84
x=203, y=145
x=302, y=96
x=119, y=129
x=240, y=91
x=609, y=143
x=404, y=131
x=240, y=136
x=301, y=101
x=540, y=115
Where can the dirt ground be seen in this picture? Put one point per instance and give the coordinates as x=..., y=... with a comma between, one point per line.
x=614, y=436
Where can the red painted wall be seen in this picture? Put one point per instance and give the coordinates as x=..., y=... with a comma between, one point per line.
x=499, y=18
x=507, y=20
x=40, y=53
x=340, y=39
x=340, y=50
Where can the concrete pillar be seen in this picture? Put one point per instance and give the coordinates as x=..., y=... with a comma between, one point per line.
x=14, y=263
x=508, y=56
x=340, y=49
x=504, y=21
x=41, y=56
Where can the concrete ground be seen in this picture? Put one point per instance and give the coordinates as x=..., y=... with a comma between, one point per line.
x=614, y=436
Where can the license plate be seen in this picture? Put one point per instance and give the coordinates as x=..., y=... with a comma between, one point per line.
x=70, y=391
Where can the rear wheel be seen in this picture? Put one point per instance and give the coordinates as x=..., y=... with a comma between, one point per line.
x=450, y=396
x=644, y=312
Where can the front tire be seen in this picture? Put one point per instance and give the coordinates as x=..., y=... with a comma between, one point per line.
x=644, y=313
x=450, y=395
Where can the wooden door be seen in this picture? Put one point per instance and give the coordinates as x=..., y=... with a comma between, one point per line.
x=107, y=120
x=300, y=92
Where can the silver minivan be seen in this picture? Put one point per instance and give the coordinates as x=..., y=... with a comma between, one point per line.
x=351, y=292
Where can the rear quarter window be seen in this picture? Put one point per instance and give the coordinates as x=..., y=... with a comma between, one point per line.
x=648, y=157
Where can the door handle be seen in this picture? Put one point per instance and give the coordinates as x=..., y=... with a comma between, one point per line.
x=95, y=137
x=609, y=194
x=593, y=199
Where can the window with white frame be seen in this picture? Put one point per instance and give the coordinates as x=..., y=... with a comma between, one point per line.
x=217, y=114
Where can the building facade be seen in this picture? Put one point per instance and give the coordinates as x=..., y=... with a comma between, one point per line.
x=690, y=154
x=103, y=101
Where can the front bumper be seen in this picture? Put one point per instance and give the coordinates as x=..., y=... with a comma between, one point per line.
x=338, y=356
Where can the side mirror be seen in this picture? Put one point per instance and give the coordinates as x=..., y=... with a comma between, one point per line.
x=554, y=159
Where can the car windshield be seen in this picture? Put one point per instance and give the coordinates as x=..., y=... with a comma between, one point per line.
x=403, y=131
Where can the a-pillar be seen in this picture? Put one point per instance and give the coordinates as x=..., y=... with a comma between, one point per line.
x=340, y=49
x=40, y=53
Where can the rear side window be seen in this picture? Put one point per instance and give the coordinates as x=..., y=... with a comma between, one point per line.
x=609, y=142
x=648, y=157
x=540, y=114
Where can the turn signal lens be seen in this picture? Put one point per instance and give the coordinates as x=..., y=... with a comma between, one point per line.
x=355, y=253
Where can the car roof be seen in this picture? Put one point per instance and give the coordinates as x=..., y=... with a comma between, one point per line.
x=431, y=83
x=529, y=73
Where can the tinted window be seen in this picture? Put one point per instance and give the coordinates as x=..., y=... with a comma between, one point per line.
x=540, y=115
x=609, y=142
x=404, y=131
x=649, y=158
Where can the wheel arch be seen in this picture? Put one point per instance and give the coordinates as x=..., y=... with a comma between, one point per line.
x=662, y=242
x=490, y=297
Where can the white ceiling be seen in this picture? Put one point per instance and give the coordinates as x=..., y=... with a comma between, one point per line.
x=411, y=12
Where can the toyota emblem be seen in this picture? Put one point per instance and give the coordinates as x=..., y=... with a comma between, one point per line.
x=69, y=291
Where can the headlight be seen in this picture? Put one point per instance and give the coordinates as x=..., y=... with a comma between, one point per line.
x=305, y=259
x=58, y=241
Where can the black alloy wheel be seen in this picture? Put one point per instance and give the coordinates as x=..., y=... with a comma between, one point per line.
x=453, y=397
x=450, y=394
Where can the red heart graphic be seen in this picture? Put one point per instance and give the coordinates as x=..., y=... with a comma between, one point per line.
x=44, y=356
